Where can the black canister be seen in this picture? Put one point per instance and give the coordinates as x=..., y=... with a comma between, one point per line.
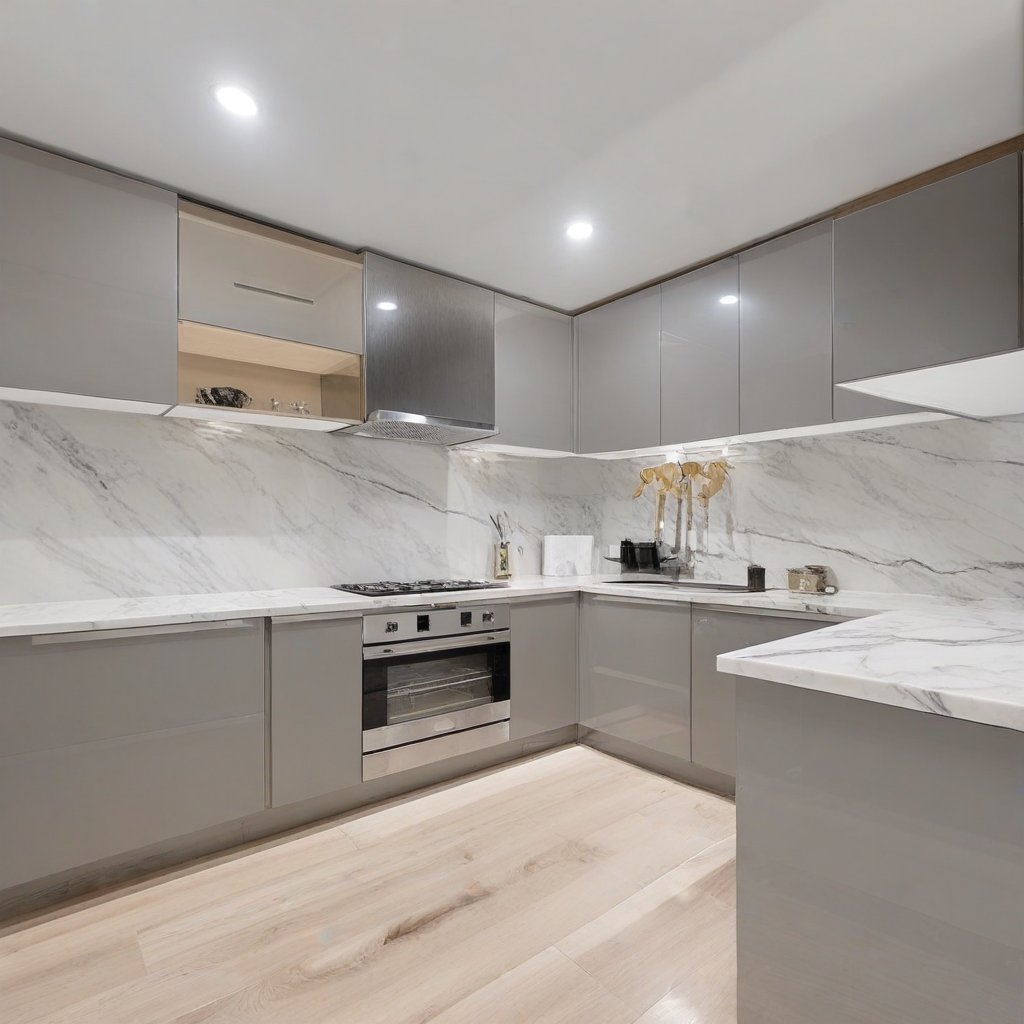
x=755, y=579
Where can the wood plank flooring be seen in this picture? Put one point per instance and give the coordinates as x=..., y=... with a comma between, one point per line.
x=569, y=888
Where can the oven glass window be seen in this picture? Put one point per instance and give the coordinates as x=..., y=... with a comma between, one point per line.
x=404, y=689
x=439, y=686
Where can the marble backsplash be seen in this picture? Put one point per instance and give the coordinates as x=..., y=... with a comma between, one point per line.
x=97, y=504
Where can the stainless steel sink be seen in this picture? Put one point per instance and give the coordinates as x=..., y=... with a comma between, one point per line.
x=648, y=580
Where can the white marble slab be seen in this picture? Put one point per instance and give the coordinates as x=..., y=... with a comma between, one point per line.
x=965, y=663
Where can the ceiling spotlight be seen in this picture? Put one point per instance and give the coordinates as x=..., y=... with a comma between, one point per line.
x=235, y=100
x=579, y=229
x=729, y=300
x=387, y=306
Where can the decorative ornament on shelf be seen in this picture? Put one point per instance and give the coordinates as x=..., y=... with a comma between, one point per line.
x=678, y=480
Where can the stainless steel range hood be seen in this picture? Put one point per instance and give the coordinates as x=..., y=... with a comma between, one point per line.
x=429, y=356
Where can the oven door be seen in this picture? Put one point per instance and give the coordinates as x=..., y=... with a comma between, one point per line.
x=420, y=690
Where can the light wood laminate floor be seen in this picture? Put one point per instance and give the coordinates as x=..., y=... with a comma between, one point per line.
x=566, y=888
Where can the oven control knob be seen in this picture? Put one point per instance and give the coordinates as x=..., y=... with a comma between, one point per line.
x=391, y=626
x=487, y=617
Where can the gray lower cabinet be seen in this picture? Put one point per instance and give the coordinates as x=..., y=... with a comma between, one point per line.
x=113, y=740
x=700, y=354
x=928, y=277
x=635, y=672
x=543, y=665
x=532, y=376
x=786, y=331
x=619, y=374
x=714, y=693
x=316, y=707
x=88, y=282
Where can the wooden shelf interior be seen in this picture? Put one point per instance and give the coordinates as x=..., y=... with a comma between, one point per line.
x=328, y=381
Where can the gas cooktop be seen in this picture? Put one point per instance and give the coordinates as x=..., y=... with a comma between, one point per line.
x=388, y=588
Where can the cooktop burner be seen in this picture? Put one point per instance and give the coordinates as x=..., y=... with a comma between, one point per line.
x=387, y=588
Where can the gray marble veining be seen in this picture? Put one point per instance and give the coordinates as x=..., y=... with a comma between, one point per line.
x=960, y=663
x=99, y=505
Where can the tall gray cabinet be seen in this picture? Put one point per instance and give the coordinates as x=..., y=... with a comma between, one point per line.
x=929, y=277
x=620, y=374
x=316, y=706
x=700, y=354
x=635, y=677
x=543, y=665
x=785, y=365
x=533, y=372
x=88, y=283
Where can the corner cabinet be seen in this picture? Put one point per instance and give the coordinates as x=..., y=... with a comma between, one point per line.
x=620, y=374
x=635, y=677
x=714, y=693
x=113, y=740
x=785, y=365
x=316, y=707
x=88, y=285
x=700, y=354
x=543, y=665
x=532, y=376
x=929, y=277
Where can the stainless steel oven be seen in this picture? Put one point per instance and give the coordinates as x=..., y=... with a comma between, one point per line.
x=435, y=684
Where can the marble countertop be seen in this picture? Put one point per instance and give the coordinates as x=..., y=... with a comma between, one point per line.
x=124, y=613
x=963, y=662
x=963, y=659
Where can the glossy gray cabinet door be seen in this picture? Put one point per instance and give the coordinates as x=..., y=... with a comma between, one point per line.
x=619, y=373
x=700, y=393
x=713, y=703
x=543, y=665
x=786, y=331
x=88, y=281
x=316, y=707
x=247, y=277
x=533, y=376
x=928, y=277
x=635, y=672
x=113, y=740
x=434, y=353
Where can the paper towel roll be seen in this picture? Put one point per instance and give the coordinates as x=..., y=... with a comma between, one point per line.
x=568, y=556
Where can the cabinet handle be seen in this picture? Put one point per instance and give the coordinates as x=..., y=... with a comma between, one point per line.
x=89, y=635
x=277, y=295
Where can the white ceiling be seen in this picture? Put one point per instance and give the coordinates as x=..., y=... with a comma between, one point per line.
x=464, y=135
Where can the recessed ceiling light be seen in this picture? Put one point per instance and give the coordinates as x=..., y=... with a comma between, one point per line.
x=236, y=100
x=729, y=300
x=387, y=306
x=579, y=229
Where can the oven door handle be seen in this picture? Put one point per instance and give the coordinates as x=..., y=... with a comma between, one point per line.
x=443, y=644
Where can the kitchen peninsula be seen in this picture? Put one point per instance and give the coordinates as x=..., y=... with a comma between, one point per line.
x=880, y=805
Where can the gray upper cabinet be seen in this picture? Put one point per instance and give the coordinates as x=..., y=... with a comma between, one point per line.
x=116, y=739
x=316, y=707
x=247, y=277
x=619, y=373
x=700, y=354
x=543, y=665
x=928, y=277
x=88, y=281
x=635, y=673
x=429, y=343
x=714, y=693
x=786, y=331
x=533, y=376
